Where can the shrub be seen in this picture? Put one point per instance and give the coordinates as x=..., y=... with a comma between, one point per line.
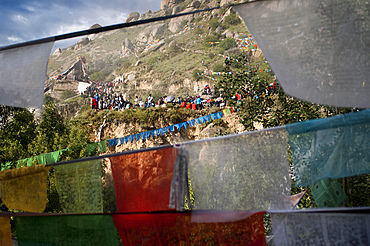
x=232, y=20
x=213, y=23
x=227, y=43
x=196, y=77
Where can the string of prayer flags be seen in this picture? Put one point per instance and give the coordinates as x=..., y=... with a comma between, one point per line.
x=5, y=231
x=66, y=230
x=79, y=186
x=25, y=188
x=142, y=180
x=167, y=129
x=179, y=229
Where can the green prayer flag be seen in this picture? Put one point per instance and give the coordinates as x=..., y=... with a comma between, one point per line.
x=92, y=148
x=66, y=230
x=103, y=146
x=228, y=111
x=41, y=159
x=79, y=186
x=328, y=193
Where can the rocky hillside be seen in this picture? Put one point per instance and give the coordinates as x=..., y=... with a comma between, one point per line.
x=173, y=57
x=152, y=58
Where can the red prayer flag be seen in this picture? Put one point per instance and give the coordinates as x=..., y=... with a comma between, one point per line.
x=143, y=180
x=176, y=228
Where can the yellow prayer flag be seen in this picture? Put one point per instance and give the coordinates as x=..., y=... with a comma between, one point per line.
x=25, y=188
x=5, y=231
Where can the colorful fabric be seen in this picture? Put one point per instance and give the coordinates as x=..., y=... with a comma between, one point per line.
x=79, y=186
x=25, y=188
x=333, y=147
x=41, y=159
x=5, y=231
x=66, y=230
x=328, y=193
x=142, y=180
x=179, y=229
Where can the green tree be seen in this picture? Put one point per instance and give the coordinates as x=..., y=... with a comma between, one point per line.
x=227, y=43
x=17, y=132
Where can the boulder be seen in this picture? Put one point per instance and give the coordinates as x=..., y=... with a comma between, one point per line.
x=175, y=10
x=150, y=33
x=175, y=23
x=226, y=2
x=172, y=43
x=93, y=36
x=154, y=47
x=168, y=3
x=81, y=43
x=127, y=45
x=146, y=15
x=228, y=34
x=195, y=4
x=57, y=52
x=134, y=16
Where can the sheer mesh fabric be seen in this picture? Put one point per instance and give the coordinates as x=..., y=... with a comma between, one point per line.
x=321, y=228
x=318, y=49
x=240, y=172
x=23, y=74
x=79, y=186
x=334, y=147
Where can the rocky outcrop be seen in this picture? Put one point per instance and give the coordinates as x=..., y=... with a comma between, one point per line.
x=81, y=43
x=57, y=52
x=176, y=23
x=195, y=4
x=127, y=45
x=150, y=33
x=168, y=3
x=154, y=47
x=93, y=36
x=134, y=16
x=146, y=15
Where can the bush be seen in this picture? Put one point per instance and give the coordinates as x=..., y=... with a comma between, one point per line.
x=213, y=23
x=97, y=76
x=196, y=77
x=67, y=94
x=232, y=20
x=227, y=43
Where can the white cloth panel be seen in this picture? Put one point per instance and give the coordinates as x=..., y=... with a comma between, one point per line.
x=23, y=74
x=318, y=49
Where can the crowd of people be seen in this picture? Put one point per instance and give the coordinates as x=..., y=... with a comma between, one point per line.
x=103, y=97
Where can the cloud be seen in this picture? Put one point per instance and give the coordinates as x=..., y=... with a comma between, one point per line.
x=25, y=20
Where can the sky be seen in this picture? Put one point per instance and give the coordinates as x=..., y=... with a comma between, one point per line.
x=25, y=20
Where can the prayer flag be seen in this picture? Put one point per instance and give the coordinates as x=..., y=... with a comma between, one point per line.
x=5, y=231
x=25, y=188
x=79, y=186
x=174, y=228
x=103, y=146
x=66, y=230
x=142, y=180
x=22, y=75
